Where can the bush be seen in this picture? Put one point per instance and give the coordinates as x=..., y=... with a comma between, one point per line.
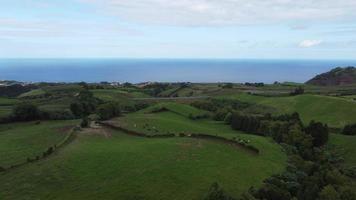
x=217, y=193
x=108, y=110
x=85, y=122
x=319, y=132
x=26, y=112
x=349, y=129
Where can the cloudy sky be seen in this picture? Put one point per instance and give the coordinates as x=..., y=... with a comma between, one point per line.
x=286, y=29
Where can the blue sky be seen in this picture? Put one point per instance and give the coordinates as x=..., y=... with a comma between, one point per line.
x=285, y=29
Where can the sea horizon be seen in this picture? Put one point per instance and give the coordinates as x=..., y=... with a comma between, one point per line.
x=136, y=70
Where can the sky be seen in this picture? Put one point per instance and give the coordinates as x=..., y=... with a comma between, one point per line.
x=263, y=29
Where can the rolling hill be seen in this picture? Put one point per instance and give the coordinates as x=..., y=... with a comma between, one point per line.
x=337, y=76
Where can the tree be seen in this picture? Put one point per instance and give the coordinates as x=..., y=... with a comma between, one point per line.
x=297, y=91
x=349, y=129
x=216, y=193
x=329, y=193
x=319, y=132
x=26, y=112
x=108, y=110
x=85, y=122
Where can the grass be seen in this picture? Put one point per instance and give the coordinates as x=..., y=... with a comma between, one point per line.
x=18, y=141
x=345, y=145
x=117, y=94
x=181, y=109
x=32, y=93
x=4, y=101
x=6, y=106
x=128, y=167
x=169, y=122
x=334, y=111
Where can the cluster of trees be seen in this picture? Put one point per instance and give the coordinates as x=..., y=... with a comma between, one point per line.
x=15, y=90
x=281, y=127
x=221, y=108
x=85, y=104
x=313, y=170
x=297, y=91
x=108, y=110
x=255, y=84
x=349, y=129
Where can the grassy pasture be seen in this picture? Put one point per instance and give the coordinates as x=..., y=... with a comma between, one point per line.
x=345, y=145
x=18, y=141
x=33, y=93
x=128, y=167
x=169, y=122
x=334, y=111
x=6, y=105
x=181, y=109
x=117, y=94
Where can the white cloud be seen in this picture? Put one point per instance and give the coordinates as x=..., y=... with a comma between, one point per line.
x=225, y=12
x=309, y=43
x=14, y=28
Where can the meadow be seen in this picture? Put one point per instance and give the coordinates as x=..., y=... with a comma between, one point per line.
x=105, y=163
x=19, y=141
x=120, y=166
x=335, y=111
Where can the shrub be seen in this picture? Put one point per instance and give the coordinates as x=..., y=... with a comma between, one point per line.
x=349, y=129
x=26, y=112
x=319, y=132
x=85, y=122
x=108, y=110
x=217, y=193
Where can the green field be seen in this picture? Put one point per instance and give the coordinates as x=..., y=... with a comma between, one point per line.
x=33, y=93
x=345, y=145
x=19, y=141
x=6, y=105
x=168, y=122
x=334, y=111
x=117, y=94
x=181, y=109
x=119, y=166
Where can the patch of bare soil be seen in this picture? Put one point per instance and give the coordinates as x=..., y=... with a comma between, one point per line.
x=97, y=129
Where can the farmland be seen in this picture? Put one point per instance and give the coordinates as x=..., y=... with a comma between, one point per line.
x=102, y=160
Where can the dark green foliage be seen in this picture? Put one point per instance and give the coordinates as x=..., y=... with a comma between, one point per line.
x=217, y=193
x=85, y=122
x=85, y=104
x=255, y=84
x=349, y=129
x=297, y=91
x=220, y=114
x=108, y=110
x=15, y=90
x=26, y=112
x=319, y=132
x=214, y=105
x=227, y=85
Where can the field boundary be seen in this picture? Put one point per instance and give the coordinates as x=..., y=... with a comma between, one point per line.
x=51, y=150
x=247, y=147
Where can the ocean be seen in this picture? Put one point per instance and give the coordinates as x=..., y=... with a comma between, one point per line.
x=165, y=70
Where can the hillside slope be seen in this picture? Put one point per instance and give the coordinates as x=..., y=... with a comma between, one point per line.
x=337, y=76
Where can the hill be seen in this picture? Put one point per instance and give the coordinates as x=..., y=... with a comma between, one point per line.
x=337, y=76
x=334, y=111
